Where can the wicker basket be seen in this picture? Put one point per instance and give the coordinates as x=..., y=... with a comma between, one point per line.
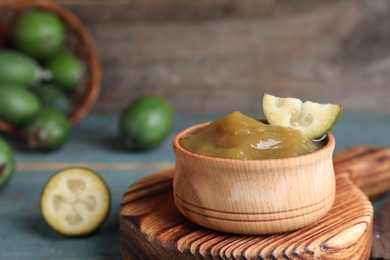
x=78, y=42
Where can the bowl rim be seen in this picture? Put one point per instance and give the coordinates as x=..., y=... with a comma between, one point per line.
x=328, y=148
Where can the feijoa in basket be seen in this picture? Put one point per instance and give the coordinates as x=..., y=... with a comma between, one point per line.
x=57, y=64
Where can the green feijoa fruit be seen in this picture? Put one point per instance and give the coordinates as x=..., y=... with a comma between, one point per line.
x=145, y=122
x=51, y=95
x=311, y=118
x=47, y=130
x=17, y=104
x=18, y=68
x=66, y=70
x=75, y=201
x=38, y=33
x=7, y=163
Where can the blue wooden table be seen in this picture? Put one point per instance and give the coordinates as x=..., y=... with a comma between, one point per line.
x=94, y=143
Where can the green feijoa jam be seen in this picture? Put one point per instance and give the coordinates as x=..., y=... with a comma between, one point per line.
x=238, y=136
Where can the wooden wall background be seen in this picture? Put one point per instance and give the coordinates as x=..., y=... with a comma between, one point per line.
x=219, y=55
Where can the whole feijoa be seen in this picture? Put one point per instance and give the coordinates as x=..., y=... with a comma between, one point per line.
x=17, y=104
x=38, y=33
x=145, y=122
x=7, y=163
x=52, y=95
x=18, y=68
x=47, y=130
x=66, y=70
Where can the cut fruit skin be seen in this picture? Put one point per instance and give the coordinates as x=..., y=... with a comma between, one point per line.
x=75, y=201
x=313, y=119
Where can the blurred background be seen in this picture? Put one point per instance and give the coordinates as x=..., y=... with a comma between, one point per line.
x=204, y=57
x=216, y=56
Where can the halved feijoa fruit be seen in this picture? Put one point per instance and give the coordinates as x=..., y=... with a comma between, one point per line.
x=75, y=201
x=313, y=119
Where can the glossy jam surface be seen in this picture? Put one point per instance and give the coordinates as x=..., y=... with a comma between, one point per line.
x=237, y=136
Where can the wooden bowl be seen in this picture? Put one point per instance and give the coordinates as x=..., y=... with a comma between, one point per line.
x=254, y=196
x=78, y=41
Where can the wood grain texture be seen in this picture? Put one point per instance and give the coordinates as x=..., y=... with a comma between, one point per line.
x=357, y=161
x=204, y=56
x=381, y=237
x=152, y=228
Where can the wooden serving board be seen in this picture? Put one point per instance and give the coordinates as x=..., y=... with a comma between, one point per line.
x=152, y=228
